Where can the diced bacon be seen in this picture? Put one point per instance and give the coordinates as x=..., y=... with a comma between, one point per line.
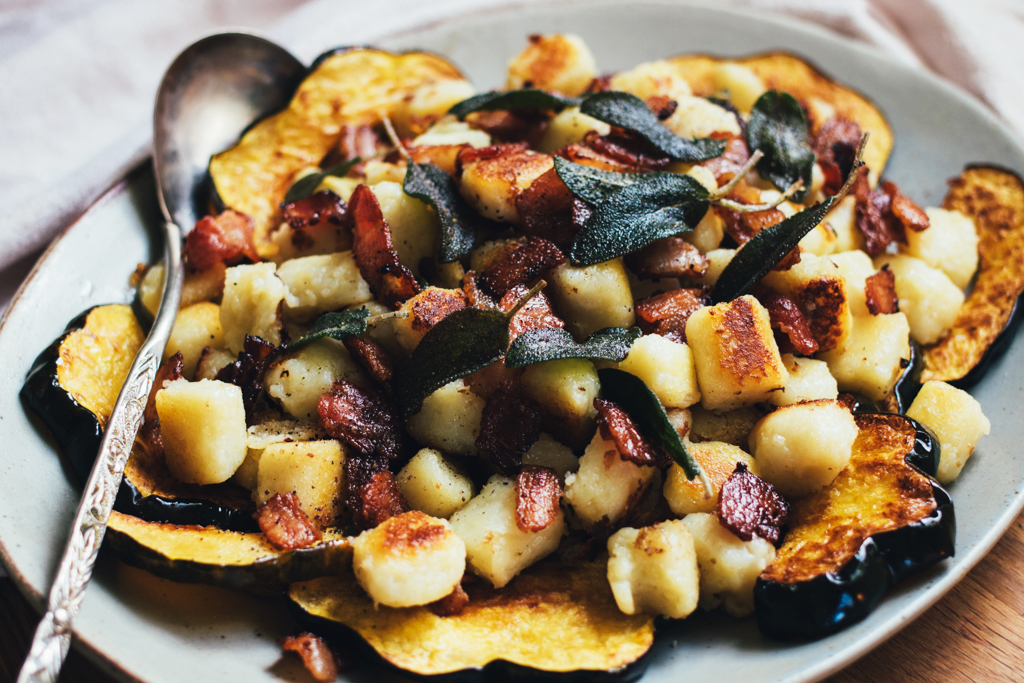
x=511, y=126
x=324, y=207
x=317, y=657
x=434, y=305
x=666, y=314
x=615, y=152
x=362, y=420
x=880, y=292
x=475, y=296
x=471, y=154
x=375, y=255
x=668, y=258
x=726, y=166
x=247, y=372
x=537, y=494
x=748, y=505
x=904, y=209
x=535, y=314
x=374, y=359
x=529, y=261
x=546, y=209
x=884, y=215
x=285, y=525
x=508, y=427
x=616, y=425
x=451, y=605
x=381, y=500
x=225, y=238
x=787, y=318
x=743, y=225
x=836, y=146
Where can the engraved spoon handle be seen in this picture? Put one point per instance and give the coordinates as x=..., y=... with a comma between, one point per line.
x=53, y=636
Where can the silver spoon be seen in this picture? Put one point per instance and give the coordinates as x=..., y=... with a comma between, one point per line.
x=212, y=91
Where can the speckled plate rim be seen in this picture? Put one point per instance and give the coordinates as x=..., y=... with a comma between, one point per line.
x=927, y=595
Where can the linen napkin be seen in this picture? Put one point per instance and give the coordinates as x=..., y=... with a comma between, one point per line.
x=78, y=77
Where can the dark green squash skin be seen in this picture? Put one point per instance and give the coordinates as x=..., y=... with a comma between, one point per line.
x=833, y=601
x=183, y=511
x=76, y=429
x=498, y=671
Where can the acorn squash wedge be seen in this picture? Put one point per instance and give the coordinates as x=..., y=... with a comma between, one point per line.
x=347, y=87
x=878, y=522
x=789, y=73
x=550, y=619
x=230, y=559
x=987, y=320
x=73, y=384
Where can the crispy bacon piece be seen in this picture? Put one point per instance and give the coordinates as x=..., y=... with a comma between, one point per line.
x=381, y=500
x=614, y=152
x=471, y=154
x=616, y=425
x=535, y=314
x=322, y=207
x=742, y=226
x=475, y=296
x=362, y=420
x=787, y=318
x=225, y=238
x=736, y=154
x=168, y=371
x=452, y=604
x=836, y=146
x=666, y=314
x=669, y=257
x=537, y=494
x=508, y=427
x=749, y=505
x=285, y=525
x=884, y=215
x=318, y=658
x=880, y=292
x=375, y=255
x=511, y=126
x=247, y=372
x=532, y=259
x=434, y=305
x=547, y=209
x=373, y=358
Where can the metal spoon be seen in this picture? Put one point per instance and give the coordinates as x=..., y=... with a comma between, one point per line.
x=212, y=91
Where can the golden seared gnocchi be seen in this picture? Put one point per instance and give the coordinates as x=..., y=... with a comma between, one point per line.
x=561, y=62
x=606, y=484
x=956, y=419
x=253, y=299
x=654, y=570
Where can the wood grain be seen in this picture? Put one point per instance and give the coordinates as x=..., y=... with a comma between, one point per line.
x=975, y=633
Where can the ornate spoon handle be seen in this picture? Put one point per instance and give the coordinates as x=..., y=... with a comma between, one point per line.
x=53, y=636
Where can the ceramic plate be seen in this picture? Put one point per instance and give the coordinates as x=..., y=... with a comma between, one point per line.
x=143, y=628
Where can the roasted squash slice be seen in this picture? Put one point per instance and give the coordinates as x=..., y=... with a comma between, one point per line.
x=983, y=329
x=549, y=618
x=353, y=87
x=73, y=385
x=788, y=73
x=198, y=554
x=879, y=521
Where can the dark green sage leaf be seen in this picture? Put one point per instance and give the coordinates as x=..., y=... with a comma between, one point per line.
x=306, y=185
x=462, y=343
x=643, y=406
x=336, y=325
x=778, y=128
x=430, y=184
x=651, y=209
x=553, y=343
x=630, y=112
x=514, y=100
x=758, y=256
x=595, y=185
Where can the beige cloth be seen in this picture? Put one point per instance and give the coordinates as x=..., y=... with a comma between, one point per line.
x=78, y=77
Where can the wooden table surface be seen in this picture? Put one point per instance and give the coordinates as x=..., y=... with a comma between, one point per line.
x=975, y=633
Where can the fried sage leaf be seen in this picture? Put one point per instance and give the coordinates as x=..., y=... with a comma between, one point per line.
x=462, y=343
x=430, y=184
x=630, y=112
x=306, y=185
x=336, y=325
x=778, y=128
x=764, y=250
x=594, y=185
x=648, y=210
x=514, y=100
x=633, y=396
x=553, y=343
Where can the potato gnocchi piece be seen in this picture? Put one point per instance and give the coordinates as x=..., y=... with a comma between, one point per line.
x=431, y=483
x=950, y=244
x=203, y=430
x=298, y=383
x=211, y=361
x=926, y=295
x=732, y=427
x=735, y=354
x=496, y=548
x=809, y=380
x=415, y=228
x=956, y=418
x=651, y=79
x=451, y=131
x=407, y=560
x=564, y=390
x=546, y=452
x=801, y=448
x=667, y=369
x=195, y=328
x=491, y=184
x=855, y=267
x=718, y=460
x=874, y=357
x=654, y=570
x=696, y=117
x=606, y=486
x=425, y=310
x=206, y=285
x=739, y=84
x=317, y=284
x=312, y=470
x=561, y=62
x=729, y=566
x=817, y=287
x=429, y=104
x=449, y=420
x=569, y=127
x=593, y=297
x=252, y=303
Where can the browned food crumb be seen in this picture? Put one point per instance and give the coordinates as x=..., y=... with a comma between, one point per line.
x=318, y=658
x=285, y=525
